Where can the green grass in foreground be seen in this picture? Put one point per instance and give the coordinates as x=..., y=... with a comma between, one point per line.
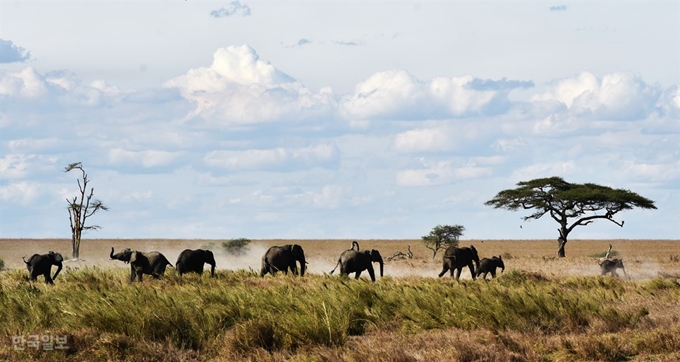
x=239, y=313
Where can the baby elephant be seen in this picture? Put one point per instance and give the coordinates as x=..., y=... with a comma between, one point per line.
x=487, y=265
x=610, y=266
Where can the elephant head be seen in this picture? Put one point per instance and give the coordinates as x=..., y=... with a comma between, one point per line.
x=499, y=263
x=376, y=258
x=56, y=259
x=209, y=258
x=124, y=255
x=299, y=255
x=475, y=256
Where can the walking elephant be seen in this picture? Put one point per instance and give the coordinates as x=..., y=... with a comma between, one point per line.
x=456, y=258
x=487, y=266
x=39, y=264
x=193, y=261
x=353, y=261
x=282, y=258
x=610, y=266
x=152, y=263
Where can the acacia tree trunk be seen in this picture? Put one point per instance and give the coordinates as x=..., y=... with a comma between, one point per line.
x=562, y=240
x=560, y=250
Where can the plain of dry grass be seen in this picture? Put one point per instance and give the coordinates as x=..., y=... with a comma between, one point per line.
x=541, y=309
x=644, y=259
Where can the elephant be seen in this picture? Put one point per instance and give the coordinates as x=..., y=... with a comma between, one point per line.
x=610, y=266
x=193, y=261
x=42, y=264
x=152, y=263
x=353, y=261
x=487, y=265
x=282, y=258
x=456, y=258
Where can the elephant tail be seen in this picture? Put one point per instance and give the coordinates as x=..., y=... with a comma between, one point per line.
x=24, y=259
x=336, y=266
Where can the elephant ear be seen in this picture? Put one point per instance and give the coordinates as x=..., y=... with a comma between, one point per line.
x=209, y=257
x=133, y=256
x=58, y=258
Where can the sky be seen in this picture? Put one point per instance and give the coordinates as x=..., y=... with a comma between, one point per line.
x=334, y=119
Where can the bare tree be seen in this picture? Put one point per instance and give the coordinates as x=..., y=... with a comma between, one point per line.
x=81, y=208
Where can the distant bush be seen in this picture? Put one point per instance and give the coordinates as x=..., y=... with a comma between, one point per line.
x=236, y=247
x=2, y=264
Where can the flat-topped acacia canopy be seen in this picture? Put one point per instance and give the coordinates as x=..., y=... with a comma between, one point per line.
x=565, y=202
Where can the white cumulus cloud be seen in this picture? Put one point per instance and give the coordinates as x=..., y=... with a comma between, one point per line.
x=614, y=96
x=241, y=88
x=25, y=83
x=396, y=94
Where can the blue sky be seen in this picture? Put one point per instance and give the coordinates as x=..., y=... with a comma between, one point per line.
x=334, y=119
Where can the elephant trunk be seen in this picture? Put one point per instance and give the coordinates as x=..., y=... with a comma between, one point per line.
x=58, y=270
x=212, y=270
x=303, y=265
x=381, y=268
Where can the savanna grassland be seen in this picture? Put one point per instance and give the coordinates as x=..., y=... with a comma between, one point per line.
x=540, y=309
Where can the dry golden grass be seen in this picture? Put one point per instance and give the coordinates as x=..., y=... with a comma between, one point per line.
x=408, y=316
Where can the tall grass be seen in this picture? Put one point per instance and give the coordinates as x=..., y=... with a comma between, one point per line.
x=241, y=313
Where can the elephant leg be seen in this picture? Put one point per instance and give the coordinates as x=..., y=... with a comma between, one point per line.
x=472, y=271
x=34, y=275
x=48, y=278
x=493, y=274
x=293, y=269
x=133, y=274
x=614, y=273
x=445, y=268
x=371, y=272
x=357, y=274
x=458, y=271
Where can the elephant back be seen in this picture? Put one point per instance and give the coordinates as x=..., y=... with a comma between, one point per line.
x=30, y=260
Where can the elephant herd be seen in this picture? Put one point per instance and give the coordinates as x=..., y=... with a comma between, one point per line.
x=282, y=259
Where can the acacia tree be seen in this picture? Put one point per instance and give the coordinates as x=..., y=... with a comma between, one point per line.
x=81, y=208
x=569, y=204
x=442, y=236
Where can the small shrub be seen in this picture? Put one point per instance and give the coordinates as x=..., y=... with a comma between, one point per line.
x=2, y=264
x=236, y=247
